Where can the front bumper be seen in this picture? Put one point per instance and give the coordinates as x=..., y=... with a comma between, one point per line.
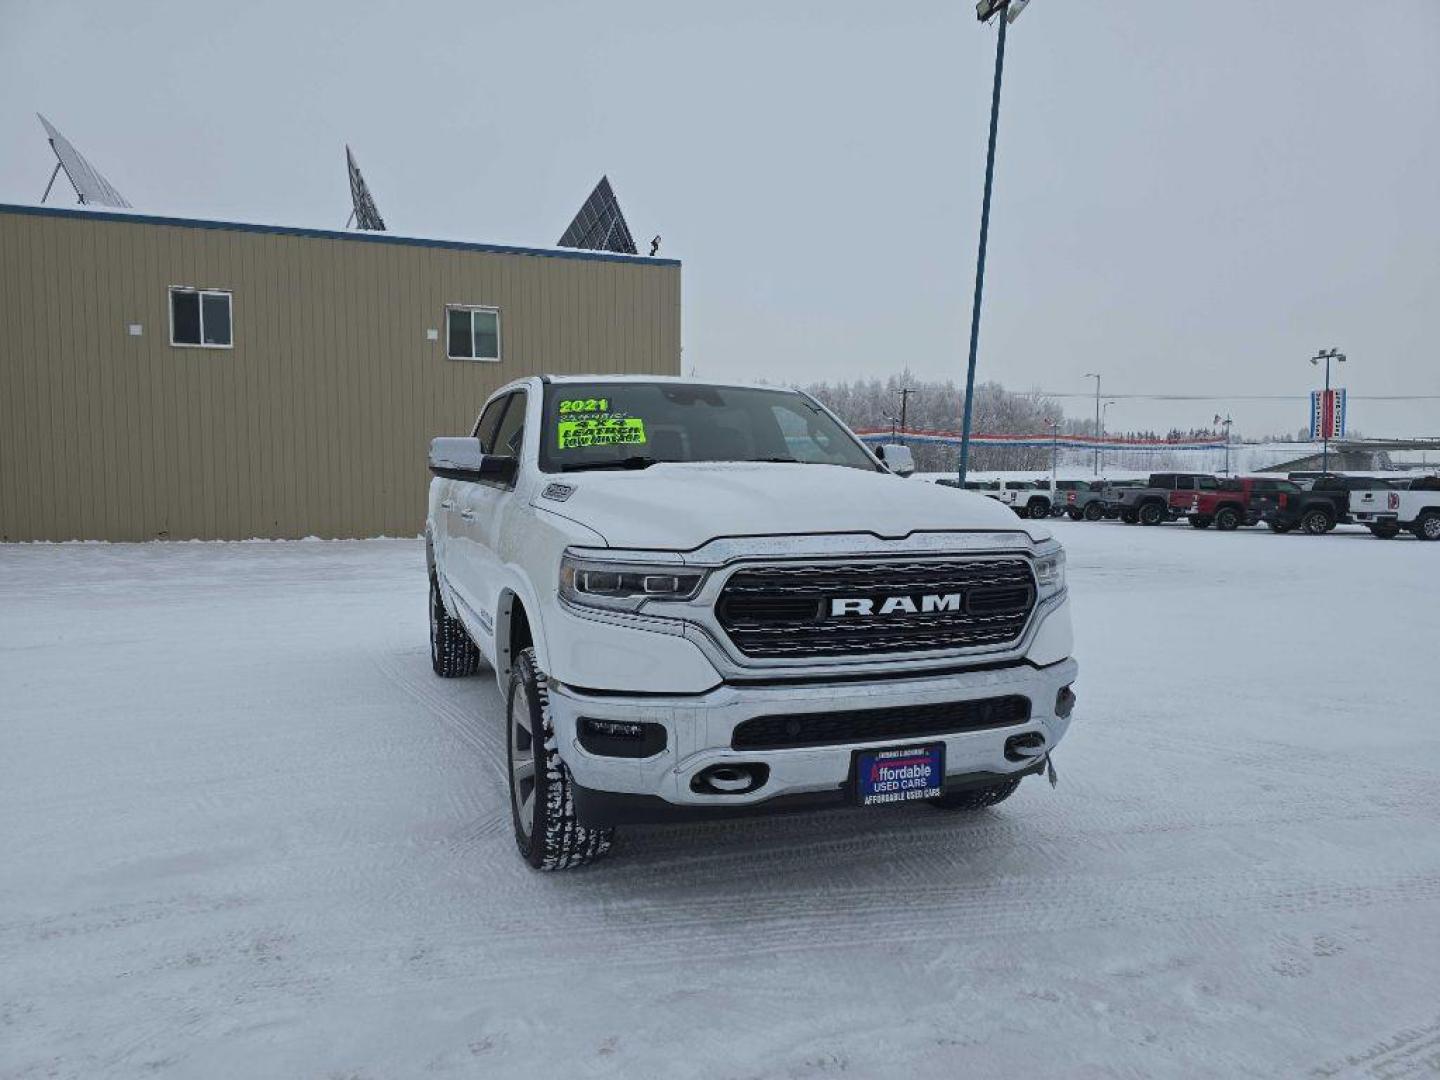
x=699, y=730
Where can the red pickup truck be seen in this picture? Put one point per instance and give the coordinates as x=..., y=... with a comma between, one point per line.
x=1232, y=503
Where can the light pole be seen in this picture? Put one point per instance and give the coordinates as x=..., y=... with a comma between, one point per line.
x=1099, y=452
x=1092, y=375
x=1327, y=355
x=985, y=10
x=1226, y=425
x=1053, y=422
x=904, y=393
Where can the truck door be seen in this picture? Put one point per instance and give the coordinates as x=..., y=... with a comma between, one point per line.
x=481, y=509
x=1183, y=497
x=447, y=518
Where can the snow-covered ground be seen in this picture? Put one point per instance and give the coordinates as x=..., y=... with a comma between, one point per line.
x=245, y=833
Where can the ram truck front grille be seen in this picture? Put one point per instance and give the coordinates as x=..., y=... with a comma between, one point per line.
x=856, y=609
x=879, y=725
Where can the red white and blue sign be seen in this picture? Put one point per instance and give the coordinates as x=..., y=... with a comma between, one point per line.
x=1327, y=414
x=900, y=775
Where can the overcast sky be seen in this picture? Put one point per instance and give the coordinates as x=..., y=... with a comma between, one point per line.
x=1191, y=197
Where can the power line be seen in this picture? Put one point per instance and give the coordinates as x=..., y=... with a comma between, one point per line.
x=1237, y=397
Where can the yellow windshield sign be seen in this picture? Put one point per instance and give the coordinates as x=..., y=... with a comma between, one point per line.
x=601, y=431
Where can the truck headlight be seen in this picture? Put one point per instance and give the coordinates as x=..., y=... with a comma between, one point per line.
x=1050, y=570
x=625, y=586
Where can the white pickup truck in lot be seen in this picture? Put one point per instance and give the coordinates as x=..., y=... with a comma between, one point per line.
x=703, y=600
x=1387, y=511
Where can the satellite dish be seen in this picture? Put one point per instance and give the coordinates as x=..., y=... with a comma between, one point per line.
x=600, y=226
x=91, y=189
x=363, y=211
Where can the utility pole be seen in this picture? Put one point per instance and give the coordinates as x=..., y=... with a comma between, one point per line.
x=1093, y=375
x=1226, y=425
x=1099, y=452
x=985, y=10
x=904, y=393
x=1054, y=424
x=1327, y=411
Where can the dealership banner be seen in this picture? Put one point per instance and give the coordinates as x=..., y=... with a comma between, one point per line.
x=1327, y=414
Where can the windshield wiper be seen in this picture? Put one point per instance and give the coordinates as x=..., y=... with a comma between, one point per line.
x=638, y=461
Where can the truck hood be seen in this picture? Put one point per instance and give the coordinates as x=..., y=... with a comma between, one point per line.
x=681, y=506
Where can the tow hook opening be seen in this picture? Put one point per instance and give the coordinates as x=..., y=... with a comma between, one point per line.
x=729, y=779
x=1064, y=703
x=1025, y=747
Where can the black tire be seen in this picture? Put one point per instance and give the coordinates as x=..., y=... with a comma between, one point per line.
x=977, y=798
x=1316, y=522
x=1152, y=513
x=547, y=832
x=1130, y=517
x=1039, y=508
x=1227, y=519
x=1199, y=521
x=1427, y=526
x=1385, y=532
x=1094, y=511
x=453, y=654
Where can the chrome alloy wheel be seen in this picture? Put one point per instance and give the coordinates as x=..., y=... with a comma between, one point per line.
x=522, y=760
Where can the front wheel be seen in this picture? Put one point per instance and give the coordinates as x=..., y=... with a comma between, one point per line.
x=542, y=798
x=1428, y=526
x=1316, y=523
x=1094, y=511
x=1152, y=514
x=977, y=798
x=1039, y=508
x=1228, y=519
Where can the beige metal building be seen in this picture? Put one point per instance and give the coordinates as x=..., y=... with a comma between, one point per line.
x=167, y=378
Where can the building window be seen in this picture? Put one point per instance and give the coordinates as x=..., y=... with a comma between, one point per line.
x=201, y=318
x=472, y=333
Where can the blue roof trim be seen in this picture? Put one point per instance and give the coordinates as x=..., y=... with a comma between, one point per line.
x=335, y=234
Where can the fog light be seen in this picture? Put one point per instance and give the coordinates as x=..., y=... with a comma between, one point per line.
x=621, y=738
x=1064, y=703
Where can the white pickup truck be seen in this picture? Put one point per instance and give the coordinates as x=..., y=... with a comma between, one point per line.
x=702, y=600
x=1387, y=511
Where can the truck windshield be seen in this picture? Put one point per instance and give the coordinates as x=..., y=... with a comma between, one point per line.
x=631, y=425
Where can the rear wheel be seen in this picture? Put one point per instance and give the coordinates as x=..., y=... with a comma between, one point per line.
x=453, y=654
x=1152, y=513
x=542, y=799
x=1199, y=521
x=977, y=798
x=1428, y=526
x=1385, y=532
x=1094, y=511
x=1316, y=522
x=1227, y=519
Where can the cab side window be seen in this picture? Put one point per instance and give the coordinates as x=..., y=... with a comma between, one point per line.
x=489, y=421
x=512, y=428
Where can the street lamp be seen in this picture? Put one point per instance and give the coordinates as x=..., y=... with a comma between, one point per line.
x=1099, y=452
x=985, y=10
x=1226, y=425
x=1092, y=375
x=1327, y=355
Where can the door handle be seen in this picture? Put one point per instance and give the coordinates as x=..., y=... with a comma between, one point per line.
x=447, y=504
x=468, y=514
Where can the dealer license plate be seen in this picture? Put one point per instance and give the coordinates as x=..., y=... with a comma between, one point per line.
x=899, y=775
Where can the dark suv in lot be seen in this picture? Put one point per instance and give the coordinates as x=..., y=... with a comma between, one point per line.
x=1165, y=497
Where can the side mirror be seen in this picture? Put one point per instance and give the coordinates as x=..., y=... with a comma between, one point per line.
x=463, y=459
x=897, y=458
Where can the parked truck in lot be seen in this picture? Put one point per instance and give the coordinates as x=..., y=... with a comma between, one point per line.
x=1387, y=511
x=703, y=600
x=1165, y=497
x=1081, y=499
x=1317, y=510
x=1232, y=502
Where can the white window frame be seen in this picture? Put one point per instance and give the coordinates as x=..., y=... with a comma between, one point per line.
x=499, y=329
x=202, y=293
